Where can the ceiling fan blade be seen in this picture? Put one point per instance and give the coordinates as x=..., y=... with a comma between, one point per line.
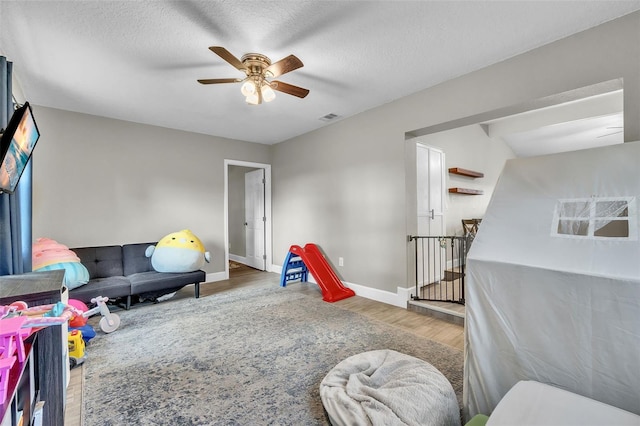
x=289, y=89
x=284, y=65
x=219, y=80
x=227, y=56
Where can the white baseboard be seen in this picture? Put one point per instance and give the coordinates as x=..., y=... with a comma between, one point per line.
x=398, y=299
x=243, y=260
x=215, y=276
x=239, y=259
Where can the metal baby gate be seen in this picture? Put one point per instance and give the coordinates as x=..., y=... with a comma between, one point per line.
x=440, y=267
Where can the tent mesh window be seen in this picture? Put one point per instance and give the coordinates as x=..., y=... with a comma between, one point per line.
x=595, y=218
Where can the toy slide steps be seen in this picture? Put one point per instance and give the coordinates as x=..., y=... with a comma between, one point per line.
x=300, y=260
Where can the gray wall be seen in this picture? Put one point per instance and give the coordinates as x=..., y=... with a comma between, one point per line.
x=100, y=181
x=346, y=187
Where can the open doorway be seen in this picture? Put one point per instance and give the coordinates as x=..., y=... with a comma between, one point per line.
x=430, y=166
x=579, y=119
x=583, y=118
x=247, y=207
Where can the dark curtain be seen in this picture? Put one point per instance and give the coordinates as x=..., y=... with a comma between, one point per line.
x=15, y=209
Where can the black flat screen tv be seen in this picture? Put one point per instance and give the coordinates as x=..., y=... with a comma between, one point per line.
x=16, y=146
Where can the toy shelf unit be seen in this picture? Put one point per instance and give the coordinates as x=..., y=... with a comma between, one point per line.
x=467, y=173
x=40, y=378
x=22, y=404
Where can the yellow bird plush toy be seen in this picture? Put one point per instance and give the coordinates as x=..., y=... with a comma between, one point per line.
x=178, y=252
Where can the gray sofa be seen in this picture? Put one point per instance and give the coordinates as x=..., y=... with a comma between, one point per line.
x=124, y=271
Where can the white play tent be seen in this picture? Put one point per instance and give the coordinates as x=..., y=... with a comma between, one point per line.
x=553, y=287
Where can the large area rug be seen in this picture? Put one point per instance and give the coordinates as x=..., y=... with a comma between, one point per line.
x=245, y=357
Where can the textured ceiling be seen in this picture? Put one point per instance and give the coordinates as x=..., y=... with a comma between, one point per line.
x=139, y=60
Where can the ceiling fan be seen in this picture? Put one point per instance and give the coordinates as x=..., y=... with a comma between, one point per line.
x=258, y=85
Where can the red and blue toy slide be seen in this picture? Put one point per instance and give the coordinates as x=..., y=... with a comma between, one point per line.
x=300, y=261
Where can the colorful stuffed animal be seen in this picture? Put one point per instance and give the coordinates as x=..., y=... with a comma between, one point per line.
x=178, y=252
x=48, y=255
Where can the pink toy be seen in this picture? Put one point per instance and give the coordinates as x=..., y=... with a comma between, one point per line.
x=48, y=252
x=12, y=335
x=16, y=325
x=13, y=331
x=19, y=305
x=5, y=366
x=79, y=320
x=79, y=305
x=36, y=317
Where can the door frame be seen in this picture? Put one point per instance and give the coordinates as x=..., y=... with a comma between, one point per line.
x=254, y=187
x=431, y=150
x=267, y=211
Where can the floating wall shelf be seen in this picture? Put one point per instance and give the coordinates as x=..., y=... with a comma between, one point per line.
x=465, y=172
x=466, y=191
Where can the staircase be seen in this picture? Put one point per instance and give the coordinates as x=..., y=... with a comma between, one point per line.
x=447, y=311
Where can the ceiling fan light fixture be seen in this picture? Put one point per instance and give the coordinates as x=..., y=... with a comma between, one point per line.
x=253, y=99
x=257, y=86
x=248, y=88
x=267, y=93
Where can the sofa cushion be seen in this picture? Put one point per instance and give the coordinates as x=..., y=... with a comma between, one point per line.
x=134, y=258
x=148, y=282
x=111, y=287
x=101, y=262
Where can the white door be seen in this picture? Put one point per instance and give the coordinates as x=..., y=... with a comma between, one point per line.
x=430, y=189
x=254, y=219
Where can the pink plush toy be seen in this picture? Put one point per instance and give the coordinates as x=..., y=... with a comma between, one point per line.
x=48, y=255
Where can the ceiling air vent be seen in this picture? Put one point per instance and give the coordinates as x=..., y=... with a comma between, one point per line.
x=329, y=117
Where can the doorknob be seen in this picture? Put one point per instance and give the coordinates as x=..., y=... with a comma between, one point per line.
x=433, y=216
x=246, y=224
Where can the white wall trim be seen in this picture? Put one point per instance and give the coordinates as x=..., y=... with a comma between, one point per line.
x=398, y=299
x=276, y=269
x=239, y=259
x=216, y=276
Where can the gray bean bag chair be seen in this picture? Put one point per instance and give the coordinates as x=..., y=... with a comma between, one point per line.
x=385, y=387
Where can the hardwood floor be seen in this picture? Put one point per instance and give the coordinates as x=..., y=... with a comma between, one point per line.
x=245, y=277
